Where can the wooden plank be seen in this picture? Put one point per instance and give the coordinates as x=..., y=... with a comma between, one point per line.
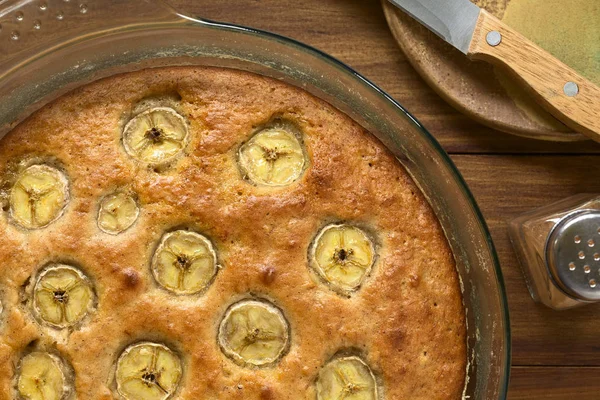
x=554, y=383
x=355, y=32
x=506, y=186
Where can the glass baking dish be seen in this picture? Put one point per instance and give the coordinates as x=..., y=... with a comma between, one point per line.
x=49, y=47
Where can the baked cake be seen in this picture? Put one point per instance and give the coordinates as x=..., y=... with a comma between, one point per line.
x=200, y=233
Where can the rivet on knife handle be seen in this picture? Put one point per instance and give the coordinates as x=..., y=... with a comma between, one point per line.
x=563, y=92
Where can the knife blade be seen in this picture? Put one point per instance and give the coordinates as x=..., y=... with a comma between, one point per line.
x=452, y=20
x=555, y=86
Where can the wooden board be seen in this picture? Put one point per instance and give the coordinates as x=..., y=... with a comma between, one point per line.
x=480, y=91
x=552, y=383
x=549, y=348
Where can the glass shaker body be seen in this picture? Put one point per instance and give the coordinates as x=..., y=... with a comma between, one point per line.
x=555, y=277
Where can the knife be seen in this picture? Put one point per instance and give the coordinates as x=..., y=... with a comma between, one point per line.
x=564, y=93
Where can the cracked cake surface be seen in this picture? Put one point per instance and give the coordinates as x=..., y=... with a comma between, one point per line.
x=397, y=327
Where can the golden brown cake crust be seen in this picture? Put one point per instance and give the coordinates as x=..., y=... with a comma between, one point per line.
x=406, y=321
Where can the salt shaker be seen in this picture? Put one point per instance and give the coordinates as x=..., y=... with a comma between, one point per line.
x=559, y=250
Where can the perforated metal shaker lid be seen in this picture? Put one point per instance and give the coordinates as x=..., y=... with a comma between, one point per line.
x=573, y=254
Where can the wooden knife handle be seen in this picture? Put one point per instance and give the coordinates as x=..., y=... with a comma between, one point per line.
x=577, y=104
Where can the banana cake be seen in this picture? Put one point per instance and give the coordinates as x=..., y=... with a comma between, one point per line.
x=206, y=233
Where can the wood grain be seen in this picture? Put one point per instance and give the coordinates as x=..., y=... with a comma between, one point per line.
x=543, y=73
x=552, y=383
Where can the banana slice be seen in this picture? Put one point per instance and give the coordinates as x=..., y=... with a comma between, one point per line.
x=148, y=371
x=343, y=255
x=118, y=211
x=254, y=333
x=42, y=377
x=39, y=196
x=347, y=378
x=185, y=262
x=62, y=296
x=155, y=136
x=272, y=157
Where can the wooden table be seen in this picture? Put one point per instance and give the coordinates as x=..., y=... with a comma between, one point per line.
x=555, y=354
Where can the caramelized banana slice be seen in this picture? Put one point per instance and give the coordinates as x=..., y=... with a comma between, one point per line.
x=343, y=255
x=41, y=377
x=155, y=136
x=118, y=211
x=148, y=371
x=347, y=378
x=185, y=262
x=39, y=196
x=62, y=296
x=254, y=333
x=272, y=157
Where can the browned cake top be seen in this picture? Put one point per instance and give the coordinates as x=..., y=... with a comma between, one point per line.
x=394, y=308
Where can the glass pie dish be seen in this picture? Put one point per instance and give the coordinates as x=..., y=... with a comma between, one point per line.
x=49, y=47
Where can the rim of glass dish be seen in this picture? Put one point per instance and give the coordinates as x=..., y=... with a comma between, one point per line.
x=344, y=68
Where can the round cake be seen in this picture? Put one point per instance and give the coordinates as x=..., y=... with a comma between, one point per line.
x=205, y=233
